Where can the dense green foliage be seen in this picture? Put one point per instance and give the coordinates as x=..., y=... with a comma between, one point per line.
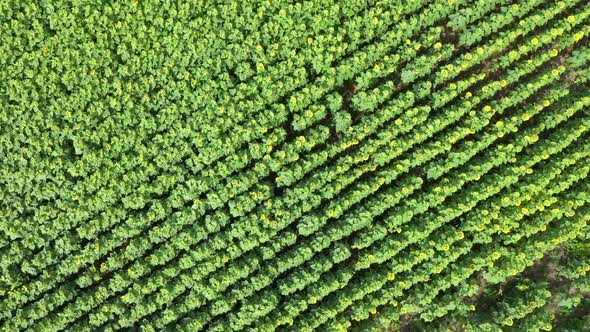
x=295, y=165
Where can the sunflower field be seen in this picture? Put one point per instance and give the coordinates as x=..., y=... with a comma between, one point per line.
x=295, y=165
